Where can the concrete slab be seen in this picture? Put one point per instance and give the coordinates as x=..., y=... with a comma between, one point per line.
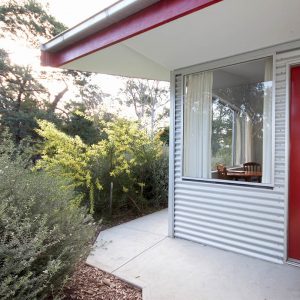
x=156, y=223
x=118, y=245
x=178, y=269
x=174, y=269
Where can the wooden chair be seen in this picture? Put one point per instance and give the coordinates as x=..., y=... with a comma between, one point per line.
x=253, y=167
x=222, y=172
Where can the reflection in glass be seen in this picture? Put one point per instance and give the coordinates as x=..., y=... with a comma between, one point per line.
x=228, y=122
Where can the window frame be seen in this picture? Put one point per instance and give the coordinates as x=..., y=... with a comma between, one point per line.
x=211, y=66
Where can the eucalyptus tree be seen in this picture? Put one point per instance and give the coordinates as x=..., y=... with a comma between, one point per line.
x=150, y=99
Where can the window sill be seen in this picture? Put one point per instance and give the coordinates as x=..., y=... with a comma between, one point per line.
x=268, y=186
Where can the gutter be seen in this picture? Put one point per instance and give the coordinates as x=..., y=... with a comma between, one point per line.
x=113, y=14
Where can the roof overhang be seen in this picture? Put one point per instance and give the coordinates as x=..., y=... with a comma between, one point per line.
x=98, y=40
x=148, y=39
x=111, y=15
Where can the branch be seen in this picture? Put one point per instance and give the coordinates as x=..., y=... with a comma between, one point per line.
x=57, y=98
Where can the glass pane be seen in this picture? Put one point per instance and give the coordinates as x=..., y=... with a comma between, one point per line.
x=221, y=139
x=228, y=123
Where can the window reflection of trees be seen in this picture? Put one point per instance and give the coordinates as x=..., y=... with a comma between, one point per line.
x=222, y=125
x=247, y=101
x=249, y=98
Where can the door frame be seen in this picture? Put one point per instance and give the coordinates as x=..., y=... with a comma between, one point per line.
x=289, y=65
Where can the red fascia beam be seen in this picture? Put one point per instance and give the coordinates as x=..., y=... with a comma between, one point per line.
x=151, y=17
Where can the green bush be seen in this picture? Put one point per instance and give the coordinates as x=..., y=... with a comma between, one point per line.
x=42, y=236
x=127, y=158
x=159, y=181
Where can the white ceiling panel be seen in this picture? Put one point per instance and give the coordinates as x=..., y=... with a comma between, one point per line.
x=225, y=29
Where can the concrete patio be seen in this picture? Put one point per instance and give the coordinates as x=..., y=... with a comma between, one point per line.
x=140, y=253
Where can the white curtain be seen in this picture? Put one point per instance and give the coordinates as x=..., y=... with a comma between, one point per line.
x=267, y=123
x=248, y=139
x=238, y=140
x=243, y=139
x=197, y=125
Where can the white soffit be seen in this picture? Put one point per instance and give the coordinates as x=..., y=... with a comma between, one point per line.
x=120, y=60
x=227, y=28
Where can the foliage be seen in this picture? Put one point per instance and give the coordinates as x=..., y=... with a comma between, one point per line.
x=22, y=99
x=120, y=159
x=131, y=152
x=149, y=99
x=67, y=157
x=44, y=226
x=79, y=124
x=156, y=180
x=28, y=19
x=164, y=134
x=222, y=124
x=42, y=236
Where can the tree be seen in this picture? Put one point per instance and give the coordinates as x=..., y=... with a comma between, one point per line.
x=221, y=140
x=22, y=96
x=83, y=114
x=28, y=20
x=149, y=99
x=22, y=99
x=78, y=123
x=90, y=94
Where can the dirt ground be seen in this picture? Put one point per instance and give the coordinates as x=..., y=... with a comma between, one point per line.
x=89, y=283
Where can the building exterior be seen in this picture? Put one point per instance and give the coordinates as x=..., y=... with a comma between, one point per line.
x=234, y=68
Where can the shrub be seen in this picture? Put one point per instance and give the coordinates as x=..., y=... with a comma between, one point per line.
x=127, y=157
x=42, y=235
x=159, y=181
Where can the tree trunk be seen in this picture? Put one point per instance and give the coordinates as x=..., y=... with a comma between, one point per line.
x=111, y=198
x=57, y=98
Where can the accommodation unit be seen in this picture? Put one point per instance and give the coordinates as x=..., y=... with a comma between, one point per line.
x=235, y=94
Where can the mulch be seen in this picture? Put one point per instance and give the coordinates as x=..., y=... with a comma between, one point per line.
x=89, y=283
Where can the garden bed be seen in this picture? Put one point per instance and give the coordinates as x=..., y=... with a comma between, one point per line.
x=91, y=283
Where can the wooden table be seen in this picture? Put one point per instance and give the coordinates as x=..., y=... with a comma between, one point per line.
x=246, y=175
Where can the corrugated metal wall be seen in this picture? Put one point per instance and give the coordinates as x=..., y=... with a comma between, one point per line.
x=247, y=220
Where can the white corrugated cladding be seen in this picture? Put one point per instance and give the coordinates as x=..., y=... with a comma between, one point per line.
x=243, y=219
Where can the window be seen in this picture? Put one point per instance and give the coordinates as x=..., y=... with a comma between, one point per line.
x=228, y=123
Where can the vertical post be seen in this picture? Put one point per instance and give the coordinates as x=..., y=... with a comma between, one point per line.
x=171, y=157
x=294, y=203
x=111, y=197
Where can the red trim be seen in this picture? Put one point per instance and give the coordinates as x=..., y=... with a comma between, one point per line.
x=151, y=17
x=294, y=191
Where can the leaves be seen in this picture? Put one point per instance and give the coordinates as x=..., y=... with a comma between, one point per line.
x=149, y=99
x=91, y=168
x=29, y=20
x=41, y=234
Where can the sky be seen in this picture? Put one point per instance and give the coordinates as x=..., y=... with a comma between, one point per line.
x=72, y=12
